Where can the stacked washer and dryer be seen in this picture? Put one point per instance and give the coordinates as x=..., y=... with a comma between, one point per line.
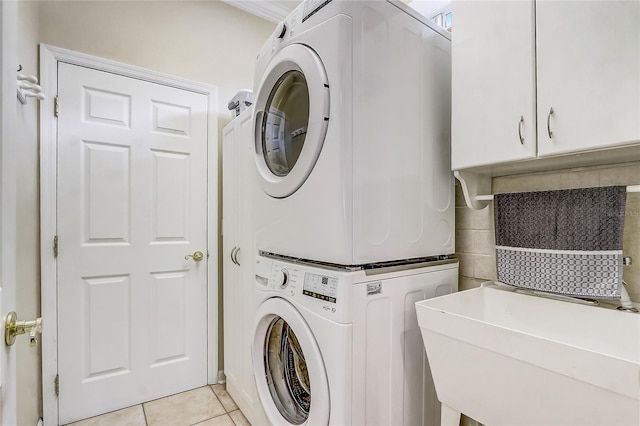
x=353, y=211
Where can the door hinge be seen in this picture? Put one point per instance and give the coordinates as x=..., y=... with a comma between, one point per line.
x=56, y=384
x=55, y=246
x=56, y=106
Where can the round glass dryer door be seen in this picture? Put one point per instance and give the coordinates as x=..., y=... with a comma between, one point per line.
x=290, y=119
x=288, y=367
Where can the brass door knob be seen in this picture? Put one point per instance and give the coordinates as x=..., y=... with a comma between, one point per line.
x=197, y=256
x=13, y=328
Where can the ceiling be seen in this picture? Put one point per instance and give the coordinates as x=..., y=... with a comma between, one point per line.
x=277, y=10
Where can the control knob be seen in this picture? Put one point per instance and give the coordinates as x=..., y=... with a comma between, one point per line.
x=281, y=30
x=282, y=278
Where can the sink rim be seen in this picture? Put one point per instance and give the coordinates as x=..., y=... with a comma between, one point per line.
x=602, y=368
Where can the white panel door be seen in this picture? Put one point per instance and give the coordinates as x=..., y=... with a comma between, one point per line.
x=589, y=73
x=132, y=203
x=493, y=83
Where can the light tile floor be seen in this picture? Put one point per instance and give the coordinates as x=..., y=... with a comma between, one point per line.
x=206, y=406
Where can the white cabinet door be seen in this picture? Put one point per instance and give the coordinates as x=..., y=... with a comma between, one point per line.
x=132, y=203
x=589, y=73
x=493, y=82
x=238, y=288
x=231, y=204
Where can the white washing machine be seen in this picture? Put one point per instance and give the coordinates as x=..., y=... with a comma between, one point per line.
x=352, y=135
x=341, y=346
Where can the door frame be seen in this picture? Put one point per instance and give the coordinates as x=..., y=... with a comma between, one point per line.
x=8, y=145
x=50, y=56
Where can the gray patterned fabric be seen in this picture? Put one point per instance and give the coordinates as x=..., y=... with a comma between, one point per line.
x=567, y=242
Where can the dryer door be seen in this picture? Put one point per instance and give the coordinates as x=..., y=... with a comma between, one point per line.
x=290, y=119
x=288, y=367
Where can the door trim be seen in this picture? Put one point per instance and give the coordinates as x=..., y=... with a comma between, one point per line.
x=49, y=58
x=8, y=186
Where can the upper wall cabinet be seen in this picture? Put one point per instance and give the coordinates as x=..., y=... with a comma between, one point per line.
x=588, y=56
x=577, y=63
x=493, y=82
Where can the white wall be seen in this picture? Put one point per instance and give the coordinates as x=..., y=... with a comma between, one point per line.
x=206, y=41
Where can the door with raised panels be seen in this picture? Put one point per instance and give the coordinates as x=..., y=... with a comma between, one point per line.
x=131, y=208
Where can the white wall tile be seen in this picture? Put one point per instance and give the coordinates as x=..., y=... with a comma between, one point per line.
x=484, y=267
x=465, y=241
x=484, y=242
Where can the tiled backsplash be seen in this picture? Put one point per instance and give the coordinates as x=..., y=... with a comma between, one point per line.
x=474, y=228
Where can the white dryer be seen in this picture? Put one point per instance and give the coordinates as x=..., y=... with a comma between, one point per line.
x=342, y=346
x=352, y=135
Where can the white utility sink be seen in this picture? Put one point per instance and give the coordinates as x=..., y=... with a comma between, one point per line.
x=506, y=358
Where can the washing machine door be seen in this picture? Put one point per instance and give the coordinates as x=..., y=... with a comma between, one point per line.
x=291, y=116
x=288, y=367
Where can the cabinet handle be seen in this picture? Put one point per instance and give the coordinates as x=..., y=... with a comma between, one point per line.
x=235, y=256
x=520, y=123
x=549, y=122
x=233, y=251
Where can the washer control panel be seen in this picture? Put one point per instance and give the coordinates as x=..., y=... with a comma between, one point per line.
x=320, y=287
x=285, y=278
x=321, y=290
x=292, y=281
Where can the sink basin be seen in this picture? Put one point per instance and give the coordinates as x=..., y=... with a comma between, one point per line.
x=506, y=358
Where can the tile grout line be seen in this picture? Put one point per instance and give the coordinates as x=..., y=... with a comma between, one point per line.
x=144, y=413
x=227, y=412
x=233, y=421
x=211, y=418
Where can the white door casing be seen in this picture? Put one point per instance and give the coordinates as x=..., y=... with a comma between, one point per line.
x=133, y=199
x=8, y=116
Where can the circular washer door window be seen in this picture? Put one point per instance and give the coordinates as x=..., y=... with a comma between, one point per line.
x=290, y=119
x=288, y=367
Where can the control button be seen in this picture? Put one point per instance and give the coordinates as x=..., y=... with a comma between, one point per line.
x=282, y=278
